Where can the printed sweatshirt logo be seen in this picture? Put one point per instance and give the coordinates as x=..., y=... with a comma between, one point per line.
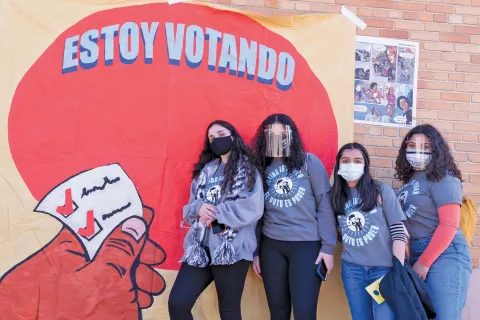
x=404, y=195
x=283, y=188
x=357, y=227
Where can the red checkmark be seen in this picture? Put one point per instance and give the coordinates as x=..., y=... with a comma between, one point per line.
x=89, y=229
x=67, y=208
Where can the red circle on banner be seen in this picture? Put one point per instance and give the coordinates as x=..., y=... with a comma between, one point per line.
x=151, y=117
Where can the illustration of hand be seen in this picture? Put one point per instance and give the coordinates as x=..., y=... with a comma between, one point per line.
x=58, y=281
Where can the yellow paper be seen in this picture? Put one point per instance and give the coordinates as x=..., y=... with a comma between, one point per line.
x=374, y=291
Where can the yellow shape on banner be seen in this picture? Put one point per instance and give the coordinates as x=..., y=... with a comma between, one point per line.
x=374, y=291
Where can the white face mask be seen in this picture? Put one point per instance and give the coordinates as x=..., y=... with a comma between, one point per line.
x=418, y=159
x=351, y=171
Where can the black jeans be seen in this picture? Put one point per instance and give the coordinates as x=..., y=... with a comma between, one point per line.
x=290, y=278
x=192, y=281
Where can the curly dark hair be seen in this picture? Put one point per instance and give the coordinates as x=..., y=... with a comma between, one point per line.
x=368, y=188
x=297, y=158
x=442, y=160
x=240, y=155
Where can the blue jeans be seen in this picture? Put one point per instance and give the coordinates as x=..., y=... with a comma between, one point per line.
x=448, y=277
x=362, y=306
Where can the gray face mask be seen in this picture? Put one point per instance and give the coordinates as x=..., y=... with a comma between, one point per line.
x=418, y=159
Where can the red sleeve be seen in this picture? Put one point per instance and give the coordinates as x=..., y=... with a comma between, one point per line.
x=449, y=216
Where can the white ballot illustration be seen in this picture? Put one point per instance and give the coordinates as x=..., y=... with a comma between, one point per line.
x=93, y=203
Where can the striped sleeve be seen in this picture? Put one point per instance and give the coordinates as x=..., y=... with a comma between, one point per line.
x=397, y=233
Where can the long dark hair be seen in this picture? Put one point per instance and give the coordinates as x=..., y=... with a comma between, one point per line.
x=240, y=154
x=367, y=187
x=442, y=160
x=297, y=157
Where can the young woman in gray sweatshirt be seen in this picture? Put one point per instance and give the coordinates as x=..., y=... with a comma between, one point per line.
x=226, y=201
x=298, y=225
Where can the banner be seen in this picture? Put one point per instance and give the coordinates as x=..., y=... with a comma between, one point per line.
x=105, y=106
x=386, y=76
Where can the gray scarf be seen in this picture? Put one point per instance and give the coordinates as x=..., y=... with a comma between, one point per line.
x=196, y=255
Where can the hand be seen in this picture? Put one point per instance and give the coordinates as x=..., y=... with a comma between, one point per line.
x=327, y=258
x=207, y=212
x=256, y=266
x=421, y=270
x=59, y=280
x=204, y=221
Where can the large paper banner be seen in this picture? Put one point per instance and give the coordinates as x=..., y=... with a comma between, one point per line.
x=104, y=106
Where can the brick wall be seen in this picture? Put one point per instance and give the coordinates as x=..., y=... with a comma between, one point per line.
x=449, y=73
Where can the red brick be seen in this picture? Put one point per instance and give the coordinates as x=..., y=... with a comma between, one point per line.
x=377, y=142
x=425, y=16
x=464, y=2
x=467, y=10
x=375, y=131
x=364, y=12
x=467, y=30
x=333, y=8
x=394, y=14
x=467, y=127
x=256, y=3
x=475, y=59
x=472, y=68
x=426, y=114
x=381, y=162
x=456, y=57
x=379, y=13
x=428, y=94
x=472, y=78
x=287, y=5
x=470, y=137
x=429, y=55
x=439, y=8
x=468, y=87
x=460, y=156
x=318, y=7
x=410, y=6
x=386, y=152
x=393, y=34
x=388, y=4
x=453, y=136
x=408, y=15
x=360, y=128
x=440, y=85
x=350, y=2
x=476, y=98
x=468, y=147
x=421, y=84
x=436, y=46
x=455, y=19
x=377, y=23
x=390, y=132
x=303, y=6
x=441, y=18
x=470, y=20
x=409, y=25
x=426, y=75
x=454, y=115
x=272, y=4
x=456, y=77
x=439, y=105
x=469, y=48
x=441, y=125
x=441, y=76
x=476, y=3
x=440, y=27
x=454, y=38
x=467, y=107
x=426, y=36
x=441, y=66
x=474, y=158
x=450, y=96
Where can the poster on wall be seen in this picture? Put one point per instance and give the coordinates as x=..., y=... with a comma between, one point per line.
x=385, y=85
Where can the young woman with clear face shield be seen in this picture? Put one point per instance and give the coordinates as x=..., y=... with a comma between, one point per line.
x=431, y=197
x=298, y=229
x=370, y=220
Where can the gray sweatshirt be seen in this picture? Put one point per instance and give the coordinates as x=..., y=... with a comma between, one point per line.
x=239, y=209
x=297, y=205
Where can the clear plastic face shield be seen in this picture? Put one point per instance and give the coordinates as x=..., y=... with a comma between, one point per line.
x=418, y=151
x=278, y=138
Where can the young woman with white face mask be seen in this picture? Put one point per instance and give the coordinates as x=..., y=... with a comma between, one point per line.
x=370, y=220
x=431, y=198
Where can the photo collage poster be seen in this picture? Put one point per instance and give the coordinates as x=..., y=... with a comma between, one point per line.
x=385, y=87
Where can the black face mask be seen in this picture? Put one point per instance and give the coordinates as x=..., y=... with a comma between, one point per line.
x=222, y=145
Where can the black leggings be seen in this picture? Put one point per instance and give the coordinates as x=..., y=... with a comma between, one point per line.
x=290, y=278
x=192, y=281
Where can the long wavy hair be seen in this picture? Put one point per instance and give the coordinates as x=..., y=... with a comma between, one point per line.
x=240, y=155
x=297, y=157
x=442, y=161
x=367, y=187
